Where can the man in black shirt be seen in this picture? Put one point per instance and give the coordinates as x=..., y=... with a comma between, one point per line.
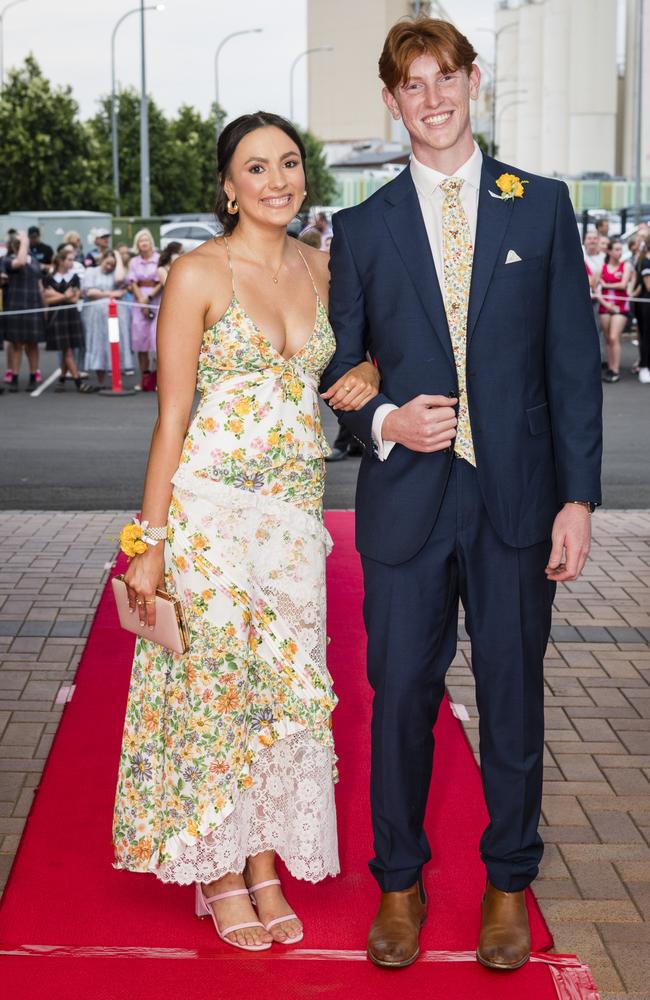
x=40, y=251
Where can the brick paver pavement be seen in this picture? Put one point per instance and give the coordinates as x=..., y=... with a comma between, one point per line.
x=52, y=571
x=594, y=886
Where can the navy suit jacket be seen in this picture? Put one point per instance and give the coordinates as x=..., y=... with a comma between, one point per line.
x=533, y=360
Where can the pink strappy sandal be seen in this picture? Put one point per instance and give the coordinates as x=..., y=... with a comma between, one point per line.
x=278, y=920
x=203, y=909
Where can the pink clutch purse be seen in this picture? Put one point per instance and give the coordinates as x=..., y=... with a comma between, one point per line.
x=170, y=629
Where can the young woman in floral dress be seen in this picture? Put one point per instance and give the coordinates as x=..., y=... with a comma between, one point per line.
x=227, y=756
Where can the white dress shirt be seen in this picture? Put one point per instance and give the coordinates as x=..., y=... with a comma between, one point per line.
x=595, y=261
x=427, y=184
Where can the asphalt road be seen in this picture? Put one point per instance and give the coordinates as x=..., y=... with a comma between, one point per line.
x=76, y=452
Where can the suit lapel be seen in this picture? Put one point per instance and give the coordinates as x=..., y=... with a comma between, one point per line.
x=404, y=220
x=491, y=224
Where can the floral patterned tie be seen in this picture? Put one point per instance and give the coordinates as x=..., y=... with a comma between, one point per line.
x=458, y=254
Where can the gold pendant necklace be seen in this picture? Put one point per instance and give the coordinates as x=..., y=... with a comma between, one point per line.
x=274, y=275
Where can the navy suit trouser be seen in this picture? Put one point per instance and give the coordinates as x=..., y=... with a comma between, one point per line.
x=411, y=615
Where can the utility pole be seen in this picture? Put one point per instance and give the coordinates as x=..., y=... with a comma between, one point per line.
x=638, y=200
x=13, y=3
x=145, y=198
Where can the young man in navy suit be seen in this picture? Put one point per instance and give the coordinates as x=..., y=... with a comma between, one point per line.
x=464, y=279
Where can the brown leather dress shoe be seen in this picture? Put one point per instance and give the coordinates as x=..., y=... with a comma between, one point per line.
x=505, y=935
x=394, y=939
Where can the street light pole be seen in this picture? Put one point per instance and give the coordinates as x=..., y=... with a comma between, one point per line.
x=307, y=52
x=233, y=34
x=145, y=200
x=114, y=132
x=494, y=68
x=14, y=3
x=497, y=35
x=639, y=111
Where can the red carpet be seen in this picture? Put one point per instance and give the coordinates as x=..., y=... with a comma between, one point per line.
x=71, y=924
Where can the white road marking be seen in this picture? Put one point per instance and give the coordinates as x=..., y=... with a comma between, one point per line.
x=48, y=382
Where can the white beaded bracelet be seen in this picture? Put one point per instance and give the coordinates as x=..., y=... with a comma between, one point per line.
x=158, y=534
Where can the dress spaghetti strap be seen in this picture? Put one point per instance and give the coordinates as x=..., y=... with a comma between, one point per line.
x=308, y=271
x=232, y=271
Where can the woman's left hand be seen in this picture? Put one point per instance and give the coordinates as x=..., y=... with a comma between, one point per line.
x=354, y=389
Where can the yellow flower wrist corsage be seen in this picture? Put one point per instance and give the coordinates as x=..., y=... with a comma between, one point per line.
x=135, y=538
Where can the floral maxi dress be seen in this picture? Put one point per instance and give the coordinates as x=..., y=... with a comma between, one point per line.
x=228, y=750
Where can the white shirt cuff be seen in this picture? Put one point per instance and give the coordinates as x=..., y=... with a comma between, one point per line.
x=382, y=448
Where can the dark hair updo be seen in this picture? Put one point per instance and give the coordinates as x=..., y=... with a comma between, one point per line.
x=230, y=138
x=165, y=258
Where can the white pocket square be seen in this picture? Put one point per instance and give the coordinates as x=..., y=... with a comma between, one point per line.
x=512, y=257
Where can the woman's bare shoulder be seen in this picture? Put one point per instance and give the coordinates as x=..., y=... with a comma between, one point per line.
x=203, y=270
x=208, y=258
x=318, y=261
x=313, y=256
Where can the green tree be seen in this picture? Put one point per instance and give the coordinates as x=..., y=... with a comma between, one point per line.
x=181, y=154
x=45, y=151
x=196, y=139
x=321, y=186
x=53, y=160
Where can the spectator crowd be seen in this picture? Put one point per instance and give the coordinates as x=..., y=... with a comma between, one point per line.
x=60, y=299
x=36, y=281
x=619, y=278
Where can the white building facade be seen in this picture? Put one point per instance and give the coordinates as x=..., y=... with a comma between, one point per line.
x=557, y=86
x=343, y=85
x=630, y=92
x=562, y=106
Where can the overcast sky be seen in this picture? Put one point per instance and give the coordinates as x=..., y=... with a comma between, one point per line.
x=71, y=41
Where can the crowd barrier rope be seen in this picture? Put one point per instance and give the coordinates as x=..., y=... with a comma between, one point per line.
x=75, y=305
x=117, y=388
x=155, y=307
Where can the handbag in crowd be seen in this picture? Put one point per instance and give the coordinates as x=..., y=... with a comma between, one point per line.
x=170, y=629
x=149, y=381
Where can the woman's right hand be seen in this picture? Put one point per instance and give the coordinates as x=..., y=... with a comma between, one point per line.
x=144, y=575
x=354, y=389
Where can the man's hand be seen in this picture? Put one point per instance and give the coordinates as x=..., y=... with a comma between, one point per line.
x=571, y=537
x=426, y=423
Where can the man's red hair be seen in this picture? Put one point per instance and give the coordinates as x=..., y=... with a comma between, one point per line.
x=413, y=37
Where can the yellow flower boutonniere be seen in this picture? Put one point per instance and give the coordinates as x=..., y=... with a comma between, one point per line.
x=510, y=187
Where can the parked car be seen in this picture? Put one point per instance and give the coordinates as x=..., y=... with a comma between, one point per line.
x=296, y=226
x=190, y=234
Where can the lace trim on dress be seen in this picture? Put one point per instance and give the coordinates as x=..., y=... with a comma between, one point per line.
x=231, y=497
x=289, y=809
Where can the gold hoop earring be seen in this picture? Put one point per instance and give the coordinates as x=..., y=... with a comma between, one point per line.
x=233, y=207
